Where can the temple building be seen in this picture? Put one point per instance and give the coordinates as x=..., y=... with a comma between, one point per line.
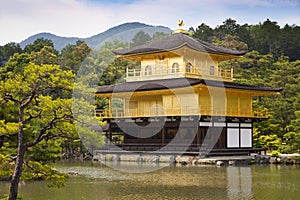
x=180, y=99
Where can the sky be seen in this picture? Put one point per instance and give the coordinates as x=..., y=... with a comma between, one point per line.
x=20, y=19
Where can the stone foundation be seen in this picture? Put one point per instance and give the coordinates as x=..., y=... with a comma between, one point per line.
x=195, y=160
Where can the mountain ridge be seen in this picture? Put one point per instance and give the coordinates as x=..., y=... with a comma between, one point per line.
x=123, y=32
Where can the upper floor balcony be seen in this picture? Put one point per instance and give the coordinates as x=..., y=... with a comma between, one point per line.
x=178, y=71
x=184, y=111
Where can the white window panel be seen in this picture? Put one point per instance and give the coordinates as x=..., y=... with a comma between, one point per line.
x=246, y=138
x=233, y=137
x=246, y=125
x=233, y=124
x=205, y=123
x=220, y=124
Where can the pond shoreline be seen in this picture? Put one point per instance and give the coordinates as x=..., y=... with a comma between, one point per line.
x=286, y=159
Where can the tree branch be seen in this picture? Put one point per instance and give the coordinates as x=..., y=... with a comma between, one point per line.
x=44, y=131
x=32, y=117
x=27, y=102
x=10, y=97
x=42, y=134
x=3, y=102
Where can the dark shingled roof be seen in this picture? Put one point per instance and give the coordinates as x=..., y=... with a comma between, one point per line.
x=176, y=83
x=176, y=41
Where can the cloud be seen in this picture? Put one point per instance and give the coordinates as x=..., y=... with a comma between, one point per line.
x=61, y=17
x=84, y=18
x=260, y=3
x=291, y=20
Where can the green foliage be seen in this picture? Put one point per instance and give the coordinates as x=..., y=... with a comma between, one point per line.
x=46, y=151
x=47, y=55
x=275, y=154
x=292, y=137
x=38, y=44
x=8, y=128
x=159, y=35
x=203, y=32
x=16, y=63
x=140, y=38
x=271, y=142
x=40, y=117
x=32, y=171
x=230, y=42
x=6, y=167
x=92, y=140
x=114, y=72
x=6, y=147
x=266, y=37
x=37, y=171
x=85, y=125
x=72, y=56
x=7, y=51
x=280, y=130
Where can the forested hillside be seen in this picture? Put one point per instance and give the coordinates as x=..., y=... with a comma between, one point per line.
x=128, y=31
x=266, y=38
x=46, y=124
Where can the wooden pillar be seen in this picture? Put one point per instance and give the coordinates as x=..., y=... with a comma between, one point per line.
x=239, y=106
x=198, y=137
x=106, y=139
x=110, y=106
x=163, y=136
x=110, y=136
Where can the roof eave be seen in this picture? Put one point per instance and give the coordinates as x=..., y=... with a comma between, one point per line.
x=138, y=54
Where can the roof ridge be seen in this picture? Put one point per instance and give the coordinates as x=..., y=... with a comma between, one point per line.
x=173, y=42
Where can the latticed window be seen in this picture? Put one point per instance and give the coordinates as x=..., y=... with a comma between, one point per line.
x=148, y=70
x=188, y=67
x=175, y=67
x=212, y=70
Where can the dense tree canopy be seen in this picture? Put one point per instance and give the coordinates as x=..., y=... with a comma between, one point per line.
x=257, y=69
x=38, y=44
x=72, y=56
x=7, y=51
x=266, y=38
x=140, y=38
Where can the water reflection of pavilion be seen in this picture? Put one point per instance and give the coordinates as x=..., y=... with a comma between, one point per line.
x=239, y=182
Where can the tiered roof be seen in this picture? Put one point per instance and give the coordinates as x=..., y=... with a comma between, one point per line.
x=161, y=84
x=176, y=41
x=171, y=43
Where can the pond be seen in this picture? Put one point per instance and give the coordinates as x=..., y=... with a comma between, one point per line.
x=97, y=181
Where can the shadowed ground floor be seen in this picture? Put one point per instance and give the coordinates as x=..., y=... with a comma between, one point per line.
x=193, y=135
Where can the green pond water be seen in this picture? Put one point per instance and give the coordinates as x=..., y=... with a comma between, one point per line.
x=97, y=181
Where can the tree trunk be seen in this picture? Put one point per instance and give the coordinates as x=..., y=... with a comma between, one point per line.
x=14, y=185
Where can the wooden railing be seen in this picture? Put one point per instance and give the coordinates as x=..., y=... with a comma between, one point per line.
x=184, y=111
x=228, y=74
x=201, y=72
x=133, y=72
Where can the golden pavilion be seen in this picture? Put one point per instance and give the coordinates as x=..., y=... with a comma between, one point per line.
x=180, y=99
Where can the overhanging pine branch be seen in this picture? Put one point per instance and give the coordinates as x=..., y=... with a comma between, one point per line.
x=44, y=132
x=32, y=117
x=10, y=98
